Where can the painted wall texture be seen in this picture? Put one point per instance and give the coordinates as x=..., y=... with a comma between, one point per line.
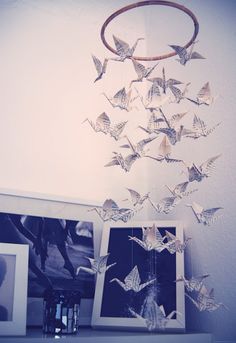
x=47, y=90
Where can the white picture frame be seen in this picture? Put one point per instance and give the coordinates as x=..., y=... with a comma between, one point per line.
x=121, y=250
x=14, y=287
x=68, y=208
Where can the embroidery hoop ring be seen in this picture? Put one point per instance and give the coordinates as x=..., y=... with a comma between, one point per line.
x=147, y=3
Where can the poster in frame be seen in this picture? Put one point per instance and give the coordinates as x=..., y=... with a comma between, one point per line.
x=13, y=288
x=141, y=281
x=61, y=210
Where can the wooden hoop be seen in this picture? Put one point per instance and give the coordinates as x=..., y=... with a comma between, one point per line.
x=147, y=3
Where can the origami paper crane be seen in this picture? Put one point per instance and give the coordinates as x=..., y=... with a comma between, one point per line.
x=164, y=152
x=200, y=129
x=180, y=190
x=204, y=96
x=98, y=265
x=138, y=148
x=141, y=71
x=111, y=211
x=124, y=162
x=163, y=83
x=153, y=124
x=132, y=281
x=193, y=284
x=103, y=124
x=153, y=99
x=136, y=198
x=178, y=94
x=198, y=173
x=166, y=205
x=121, y=99
x=184, y=55
x=204, y=216
x=153, y=316
x=173, y=133
x=123, y=49
x=205, y=300
x=151, y=239
x=174, y=244
x=100, y=67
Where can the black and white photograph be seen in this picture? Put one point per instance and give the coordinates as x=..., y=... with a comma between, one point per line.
x=13, y=288
x=7, y=281
x=57, y=248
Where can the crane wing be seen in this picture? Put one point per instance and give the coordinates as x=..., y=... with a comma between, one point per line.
x=139, y=68
x=206, y=166
x=135, y=196
x=165, y=147
x=181, y=51
x=196, y=55
x=181, y=187
x=102, y=261
x=122, y=47
x=204, y=94
x=133, y=278
x=103, y=122
x=98, y=64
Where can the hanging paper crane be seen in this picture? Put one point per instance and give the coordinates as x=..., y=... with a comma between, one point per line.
x=154, y=316
x=141, y=71
x=204, y=96
x=123, y=49
x=205, y=216
x=111, y=211
x=136, y=198
x=132, y=281
x=163, y=83
x=102, y=123
x=174, y=244
x=198, y=173
x=166, y=205
x=184, y=55
x=174, y=134
x=153, y=99
x=151, y=239
x=199, y=129
x=178, y=94
x=180, y=190
x=153, y=124
x=205, y=300
x=164, y=152
x=124, y=162
x=98, y=265
x=121, y=99
x=138, y=148
x=193, y=284
x=100, y=67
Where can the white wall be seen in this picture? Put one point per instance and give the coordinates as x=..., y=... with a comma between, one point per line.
x=47, y=90
x=212, y=249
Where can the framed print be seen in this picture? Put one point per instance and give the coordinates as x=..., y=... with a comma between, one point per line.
x=139, y=290
x=61, y=238
x=13, y=288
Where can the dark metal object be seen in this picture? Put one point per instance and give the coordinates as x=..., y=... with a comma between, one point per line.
x=147, y=3
x=61, y=311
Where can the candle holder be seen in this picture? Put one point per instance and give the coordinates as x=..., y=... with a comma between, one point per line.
x=61, y=311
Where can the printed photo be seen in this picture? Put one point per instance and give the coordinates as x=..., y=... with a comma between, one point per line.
x=57, y=248
x=7, y=281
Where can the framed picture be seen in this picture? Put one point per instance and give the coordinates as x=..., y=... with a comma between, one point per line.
x=13, y=288
x=139, y=290
x=61, y=238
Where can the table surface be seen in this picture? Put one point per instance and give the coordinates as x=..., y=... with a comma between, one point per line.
x=88, y=335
